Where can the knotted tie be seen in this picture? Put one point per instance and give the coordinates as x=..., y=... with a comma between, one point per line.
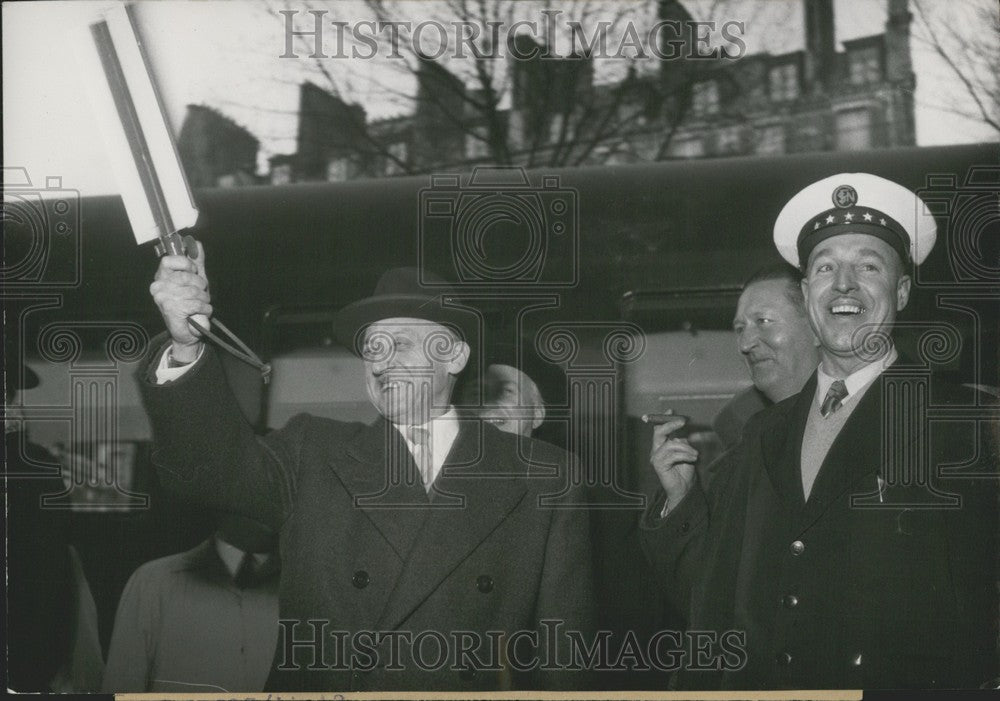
x=834, y=396
x=246, y=574
x=421, y=440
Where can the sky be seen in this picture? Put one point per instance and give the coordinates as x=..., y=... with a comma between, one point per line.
x=226, y=55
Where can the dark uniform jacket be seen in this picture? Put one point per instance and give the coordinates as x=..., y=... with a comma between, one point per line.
x=363, y=548
x=843, y=590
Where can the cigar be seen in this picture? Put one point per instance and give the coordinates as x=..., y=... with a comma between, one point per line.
x=659, y=419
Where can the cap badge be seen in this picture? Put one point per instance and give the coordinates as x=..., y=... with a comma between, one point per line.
x=845, y=196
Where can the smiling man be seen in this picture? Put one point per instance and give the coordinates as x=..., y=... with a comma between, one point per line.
x=419, y=525
x=777, y=344
x=853, y=541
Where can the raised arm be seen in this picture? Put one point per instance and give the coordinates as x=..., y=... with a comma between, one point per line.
x=204, y=449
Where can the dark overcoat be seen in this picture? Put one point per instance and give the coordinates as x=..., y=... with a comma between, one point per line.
x=881, y=579
x=500, y=547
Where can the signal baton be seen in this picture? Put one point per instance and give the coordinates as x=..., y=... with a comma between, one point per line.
x=141, y=148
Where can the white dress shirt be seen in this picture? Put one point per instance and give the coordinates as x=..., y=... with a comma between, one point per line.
x=443, y=430
x=857, y=380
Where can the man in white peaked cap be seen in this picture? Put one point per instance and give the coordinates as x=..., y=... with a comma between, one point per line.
x=844, y=545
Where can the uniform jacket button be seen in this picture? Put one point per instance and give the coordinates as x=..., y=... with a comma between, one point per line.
x=790, y=601
x=783, y=658
x=798, y=547
x=856, y=660
x=484, y=583
x=685, y=527
x=360, y=579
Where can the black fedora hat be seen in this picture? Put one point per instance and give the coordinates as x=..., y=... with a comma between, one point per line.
x=405, y=292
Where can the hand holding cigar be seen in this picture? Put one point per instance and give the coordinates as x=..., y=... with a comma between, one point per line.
x=673, y=459
x=665, y=417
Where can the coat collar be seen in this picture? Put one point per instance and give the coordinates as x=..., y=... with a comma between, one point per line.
x=479, y=485
x=781, y=443
x=472, y=496
x=384, y=482
x=857, y=451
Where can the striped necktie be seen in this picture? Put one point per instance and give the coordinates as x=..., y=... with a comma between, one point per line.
x=834, y=396
x=421, y=440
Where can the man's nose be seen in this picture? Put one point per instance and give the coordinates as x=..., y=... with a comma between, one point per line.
x=380, y=364
x=747, y=339
x=844, y=279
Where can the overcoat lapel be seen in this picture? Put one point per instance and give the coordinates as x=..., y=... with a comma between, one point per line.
x=480, y=492
x=781, y=445
x=855, y=451
x=378, y=471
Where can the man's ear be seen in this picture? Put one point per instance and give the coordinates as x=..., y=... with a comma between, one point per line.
x=459, y=357
x=902, y=292
x=537, y=416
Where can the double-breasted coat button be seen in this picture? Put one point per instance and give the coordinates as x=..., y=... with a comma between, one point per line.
x=484, y=583
x=790, y=601
x=360, y=579
x=685, y=527
x=798, y=547
x=856, y=660
x=783, y=658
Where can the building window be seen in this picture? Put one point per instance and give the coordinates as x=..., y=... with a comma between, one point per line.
x=771, y=140
x=281, y=174
x=397, y=155
x=476, y=146
x=338, y=170
x=865, y=66
x=729, y=140
x=783, y=82
x=556, y=136
x=687, y=148
x=854, y=130
x=706, y=98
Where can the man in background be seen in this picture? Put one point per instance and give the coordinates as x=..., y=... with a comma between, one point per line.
x=777, y=344
x=205, y=620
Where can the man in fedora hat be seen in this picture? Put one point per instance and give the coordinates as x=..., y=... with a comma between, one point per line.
x=421, y=525
x=853, y=541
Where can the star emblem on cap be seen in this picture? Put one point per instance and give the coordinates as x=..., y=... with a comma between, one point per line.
x=815, y=226
x=829, y=219
x=849, y=216
x=882, y=222
x=867, y=216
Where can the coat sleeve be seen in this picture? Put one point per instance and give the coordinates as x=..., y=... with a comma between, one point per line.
x=566, y=600
x=205, y=451
x=673, y=544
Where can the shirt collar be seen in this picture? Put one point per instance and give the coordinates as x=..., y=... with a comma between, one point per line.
x=857, y=380
x=443, y=430
x=232, y=557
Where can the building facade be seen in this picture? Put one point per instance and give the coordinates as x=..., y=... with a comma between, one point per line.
x=815, y=99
